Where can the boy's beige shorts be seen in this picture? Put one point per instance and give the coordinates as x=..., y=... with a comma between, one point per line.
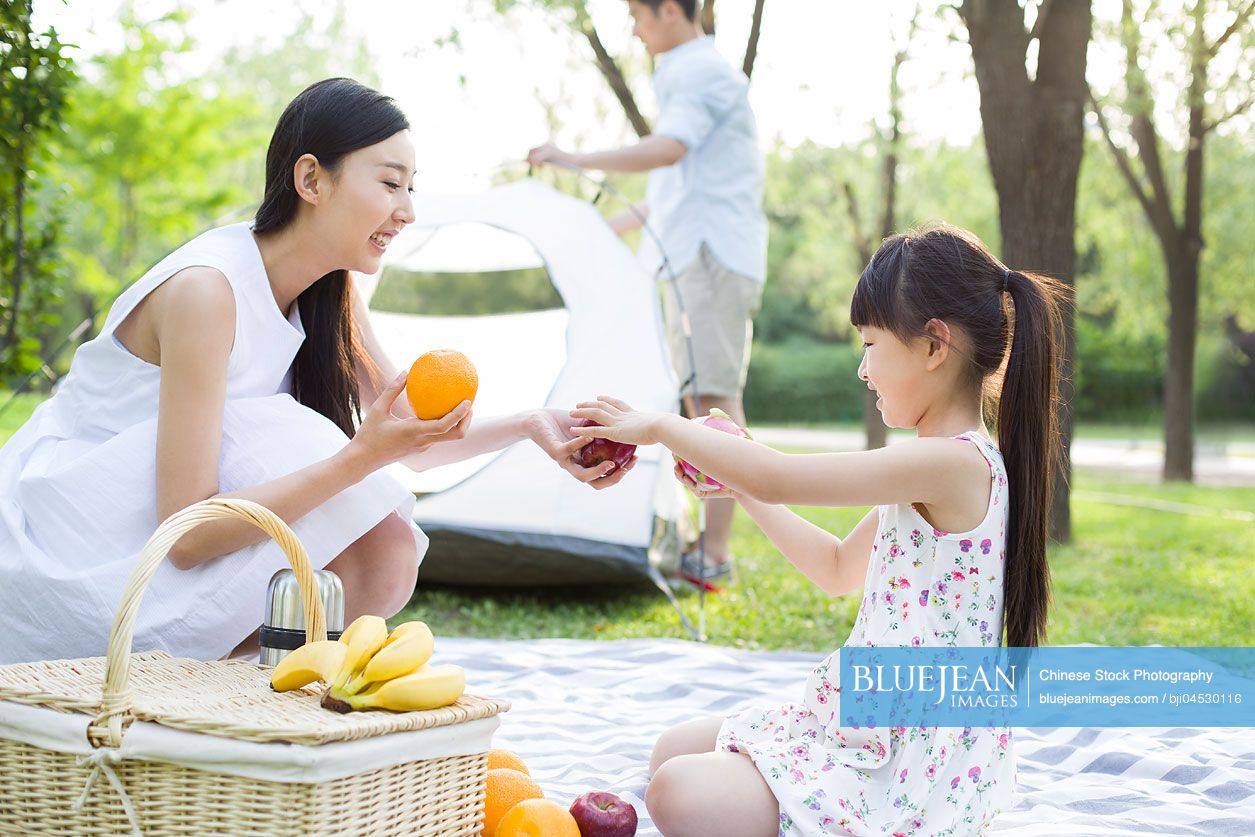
x=721, y=306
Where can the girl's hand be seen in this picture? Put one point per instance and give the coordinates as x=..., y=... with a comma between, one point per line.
x=619, y=422
x=548, y=429
x=383, y=438
x=702, y=492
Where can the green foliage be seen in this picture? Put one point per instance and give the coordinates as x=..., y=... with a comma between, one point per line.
x=35, y=74
x=803, y=380
x=465, y=294
x=144, y=156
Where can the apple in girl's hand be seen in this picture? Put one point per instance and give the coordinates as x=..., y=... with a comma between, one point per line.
x=603, y=814
x=601, y=450
x=719, y=420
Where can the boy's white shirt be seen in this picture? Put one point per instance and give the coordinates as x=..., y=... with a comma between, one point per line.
x=714, y=194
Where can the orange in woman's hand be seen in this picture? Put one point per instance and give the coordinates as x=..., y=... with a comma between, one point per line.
x=538, y=818
x=505, y=789
x=439, y=381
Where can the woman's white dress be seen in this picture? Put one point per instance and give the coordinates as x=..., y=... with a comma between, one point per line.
x=78, y=483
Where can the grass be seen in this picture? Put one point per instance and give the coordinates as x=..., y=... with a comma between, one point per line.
x=1132, y=576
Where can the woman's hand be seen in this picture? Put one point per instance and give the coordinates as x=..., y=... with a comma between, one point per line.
x=383, y=438
x=619, y=422
x=702, y=492
x=549, y=430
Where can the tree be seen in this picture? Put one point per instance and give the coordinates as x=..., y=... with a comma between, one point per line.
x=1033, y=128
x=148, y=157
x=35, y=74
x=1180, y=233
x=576, y=15
x=891, y=143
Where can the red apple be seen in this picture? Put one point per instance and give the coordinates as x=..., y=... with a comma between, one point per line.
x=603, y=814
x=717, y=420
x=600, y=450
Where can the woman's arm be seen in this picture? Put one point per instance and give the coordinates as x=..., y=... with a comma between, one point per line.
x=193, y=316
x=919, y=470
x=544, y=427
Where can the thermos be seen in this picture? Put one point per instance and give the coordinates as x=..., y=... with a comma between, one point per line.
x=283, y=628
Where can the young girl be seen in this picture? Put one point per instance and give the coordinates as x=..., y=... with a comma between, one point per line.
x=237, y=367
x=958, y=527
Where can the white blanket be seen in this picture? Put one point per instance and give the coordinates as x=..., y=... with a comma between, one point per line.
x=586, y=715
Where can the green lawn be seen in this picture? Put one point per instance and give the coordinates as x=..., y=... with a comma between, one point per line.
x=1132, y=576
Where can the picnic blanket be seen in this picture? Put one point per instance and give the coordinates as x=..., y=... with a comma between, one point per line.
x=586, y=715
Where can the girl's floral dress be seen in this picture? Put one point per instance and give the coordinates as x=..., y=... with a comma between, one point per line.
x=923, y=587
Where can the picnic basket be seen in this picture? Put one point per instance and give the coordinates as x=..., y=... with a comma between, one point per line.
x=146, y=743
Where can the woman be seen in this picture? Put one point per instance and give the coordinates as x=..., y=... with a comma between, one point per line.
x=235, y=368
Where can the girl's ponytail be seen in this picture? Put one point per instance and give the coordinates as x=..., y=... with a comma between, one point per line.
x=1028, y=437
x=946, y=273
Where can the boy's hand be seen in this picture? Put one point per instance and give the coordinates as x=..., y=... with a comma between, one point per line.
x=549, y=153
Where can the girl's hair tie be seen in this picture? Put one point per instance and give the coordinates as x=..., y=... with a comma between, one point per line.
x=1006, y=280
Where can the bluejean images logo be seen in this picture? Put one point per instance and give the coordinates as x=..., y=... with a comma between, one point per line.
x=1048, y=686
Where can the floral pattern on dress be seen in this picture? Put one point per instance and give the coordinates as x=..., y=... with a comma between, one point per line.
x=923, y=587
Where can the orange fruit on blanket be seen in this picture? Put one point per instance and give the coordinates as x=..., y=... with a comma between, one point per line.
x=439, y=381
x=506, y=788
x=538, y=818
x=505, y=758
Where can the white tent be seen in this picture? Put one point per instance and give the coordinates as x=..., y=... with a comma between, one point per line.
x=514, y=517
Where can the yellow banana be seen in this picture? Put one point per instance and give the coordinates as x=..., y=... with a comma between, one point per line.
x=406, y=628
x=312, y=661
x=428, y=688
x=362, y=639
x=399, y=656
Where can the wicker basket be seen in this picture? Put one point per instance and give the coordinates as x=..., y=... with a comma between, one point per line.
x=225, y=736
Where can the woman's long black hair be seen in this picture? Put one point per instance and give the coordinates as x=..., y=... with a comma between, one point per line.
x=329, y=119
x=946, y=273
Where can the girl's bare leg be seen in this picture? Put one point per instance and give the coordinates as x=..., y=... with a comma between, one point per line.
x=705, y=794
x=695, y=736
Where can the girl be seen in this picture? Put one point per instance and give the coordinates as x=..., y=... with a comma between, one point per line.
x=237, y=367
x=956, y=530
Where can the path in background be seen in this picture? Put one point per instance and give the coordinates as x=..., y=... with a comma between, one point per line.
x=1230, y=463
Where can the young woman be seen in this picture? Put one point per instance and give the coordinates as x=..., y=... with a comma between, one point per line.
x=238, y=367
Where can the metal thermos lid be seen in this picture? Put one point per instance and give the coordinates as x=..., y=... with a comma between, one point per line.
x=283, y=601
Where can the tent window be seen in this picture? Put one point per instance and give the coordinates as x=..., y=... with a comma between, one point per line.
x=465, y=294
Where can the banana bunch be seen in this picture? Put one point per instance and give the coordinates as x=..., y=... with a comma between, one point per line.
x=369, y=668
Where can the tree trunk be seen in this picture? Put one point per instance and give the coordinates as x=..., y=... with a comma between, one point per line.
x=1033, y=137
x=751, y=46
x=19, y=247
x=1178, y=395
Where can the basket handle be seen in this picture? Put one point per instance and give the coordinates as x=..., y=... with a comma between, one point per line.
x=116, y=700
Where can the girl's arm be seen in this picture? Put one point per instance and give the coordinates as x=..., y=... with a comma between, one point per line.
x=544, y=427
x=920, y=470
x=193, y=321
x=836, y=565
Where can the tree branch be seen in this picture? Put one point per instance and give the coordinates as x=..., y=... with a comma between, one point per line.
x=751, y=48
x=1237, y=111
x=613, y=75
x=1123, y=163
x=1242, y=16
x=861, y=242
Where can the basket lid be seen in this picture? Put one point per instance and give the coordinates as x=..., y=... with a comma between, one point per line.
x=229, y=699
